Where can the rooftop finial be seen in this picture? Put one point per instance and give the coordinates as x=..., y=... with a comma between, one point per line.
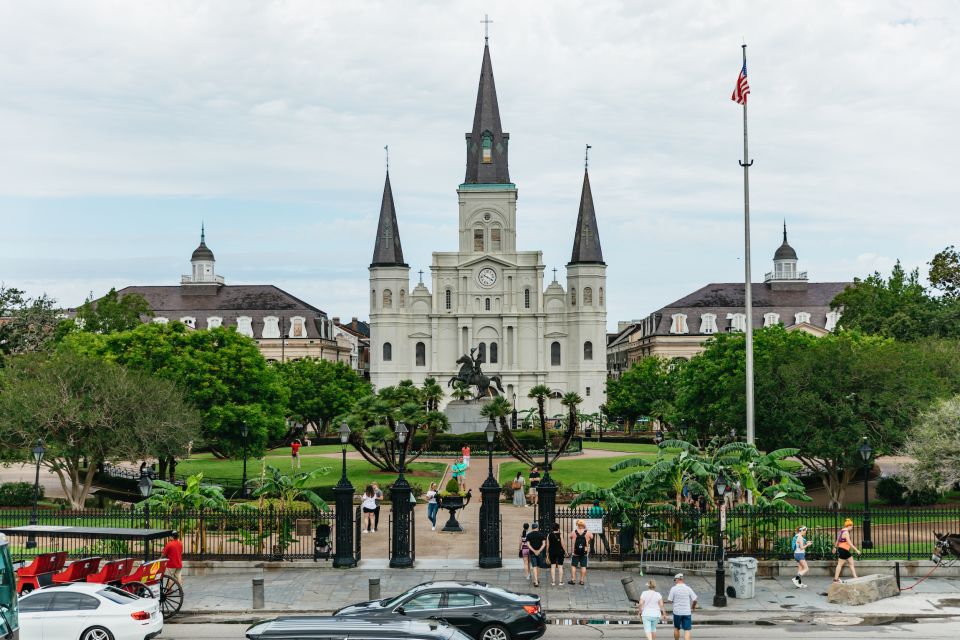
x=203, y=233
x=386, y=151
x=486, y=27
x=586, y=158
x=784, y=230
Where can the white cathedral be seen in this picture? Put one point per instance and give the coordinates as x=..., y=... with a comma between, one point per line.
x=488, y=295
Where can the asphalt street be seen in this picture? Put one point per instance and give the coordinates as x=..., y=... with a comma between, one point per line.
x=924, y=630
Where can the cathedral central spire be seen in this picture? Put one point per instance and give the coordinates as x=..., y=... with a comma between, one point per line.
x=487, y=143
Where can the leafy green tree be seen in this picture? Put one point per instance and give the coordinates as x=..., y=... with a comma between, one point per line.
x=373, y=421
x=113, y=312
x=88, y=411
x=221, y=372
x=945, y=272
x=320, y=390
x=934, y=444
x=29, y=324
x=192, y=496
x=288, y=489
x=647, y=388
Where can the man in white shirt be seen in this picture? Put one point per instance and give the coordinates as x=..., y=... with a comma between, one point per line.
x=684, y=602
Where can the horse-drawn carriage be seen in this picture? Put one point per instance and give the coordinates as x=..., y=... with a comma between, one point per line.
x=146, y=579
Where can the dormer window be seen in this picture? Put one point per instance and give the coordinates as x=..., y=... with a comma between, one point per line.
x=487, y=154
x=738, y=322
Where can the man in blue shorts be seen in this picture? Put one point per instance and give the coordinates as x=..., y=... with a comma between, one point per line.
x=684, y=602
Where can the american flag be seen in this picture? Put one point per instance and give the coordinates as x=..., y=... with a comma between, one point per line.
x=742, y=90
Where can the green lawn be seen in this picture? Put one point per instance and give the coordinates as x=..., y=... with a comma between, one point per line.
x=572, y=471
x=626, y=447
x=360, y=472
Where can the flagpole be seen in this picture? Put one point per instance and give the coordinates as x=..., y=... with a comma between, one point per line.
x=748, y=293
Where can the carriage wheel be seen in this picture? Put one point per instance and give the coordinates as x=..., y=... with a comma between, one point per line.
x=138, y=589
x=27, y=588
x=171, y=596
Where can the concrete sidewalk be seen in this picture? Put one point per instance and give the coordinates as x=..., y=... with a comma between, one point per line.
x=322, y=590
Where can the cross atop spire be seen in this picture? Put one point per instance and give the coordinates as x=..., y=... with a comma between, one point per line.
x=487, y=143
x=586, y=158
x=421, y=275
x=554, y=274
x=386, y=152
x=486, y=22
x=387, y=251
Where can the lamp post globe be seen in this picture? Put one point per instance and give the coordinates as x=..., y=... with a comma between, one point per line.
x=343, y=499
x=145, y=486
x=38, y=452
x=719, y=595
x=490, y=509
x=866, y=451
x=401, y=521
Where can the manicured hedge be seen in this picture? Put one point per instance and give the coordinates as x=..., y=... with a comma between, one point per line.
x=17, y=494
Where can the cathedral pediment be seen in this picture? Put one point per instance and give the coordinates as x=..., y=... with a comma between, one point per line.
x=555, y=334
x=419, y=334
x=488, y=258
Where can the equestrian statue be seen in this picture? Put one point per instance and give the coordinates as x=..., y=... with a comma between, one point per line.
x=471, y=375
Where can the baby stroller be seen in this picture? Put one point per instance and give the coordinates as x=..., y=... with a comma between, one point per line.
x=321, y=543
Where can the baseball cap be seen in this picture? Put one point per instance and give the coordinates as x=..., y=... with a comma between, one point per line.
x=535, y=525
x=679, y=576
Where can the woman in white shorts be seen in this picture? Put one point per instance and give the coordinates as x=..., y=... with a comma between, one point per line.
x=651, y=609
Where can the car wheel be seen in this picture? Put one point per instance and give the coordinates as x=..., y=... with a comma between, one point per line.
x=495, y=632
x=96, y=633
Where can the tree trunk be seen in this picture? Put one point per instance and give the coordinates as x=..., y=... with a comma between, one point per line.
x=162, y=467
x=173, y=469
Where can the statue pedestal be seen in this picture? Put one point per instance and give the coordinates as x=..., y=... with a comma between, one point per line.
x=464, y=416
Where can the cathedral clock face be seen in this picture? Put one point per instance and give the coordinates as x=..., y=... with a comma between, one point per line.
x=487, y=277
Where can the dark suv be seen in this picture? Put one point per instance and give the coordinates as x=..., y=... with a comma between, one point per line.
x=480, y=610
x=327, y=628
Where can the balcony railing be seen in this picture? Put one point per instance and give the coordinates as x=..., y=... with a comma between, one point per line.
x=797, y=275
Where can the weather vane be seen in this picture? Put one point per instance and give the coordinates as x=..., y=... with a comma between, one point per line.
x=586, y=158
x=386, y=151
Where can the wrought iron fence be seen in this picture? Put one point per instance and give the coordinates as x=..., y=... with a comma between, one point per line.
x=235, y=534
x=896, y=533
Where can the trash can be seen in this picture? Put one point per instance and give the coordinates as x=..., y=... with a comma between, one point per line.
x=743, y=574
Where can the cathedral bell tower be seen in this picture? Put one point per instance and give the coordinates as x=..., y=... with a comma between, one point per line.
x=389, y=283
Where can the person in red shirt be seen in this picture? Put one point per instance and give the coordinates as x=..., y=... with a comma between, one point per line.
x=173, y=552
x=466, y=455
x=295, y=453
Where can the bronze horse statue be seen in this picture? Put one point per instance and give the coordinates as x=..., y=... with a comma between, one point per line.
x=470, y=374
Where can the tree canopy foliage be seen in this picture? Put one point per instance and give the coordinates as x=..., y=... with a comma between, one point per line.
x=88, y=411
x=320, y=390
x=645, y=390
x=28, y=325
x=112, y=312
x=934, y=443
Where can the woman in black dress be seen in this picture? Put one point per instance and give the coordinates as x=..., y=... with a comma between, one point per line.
x=555, y=553
x=534, y=483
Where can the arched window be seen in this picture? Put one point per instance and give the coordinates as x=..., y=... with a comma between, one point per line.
x=403, y=298
x=588, y=350
x=478, y=239
x=495, y=239
x=486, y=304
x=482, y=351
x=573, y=297
x=387, y=352
x=588, y=296
x=448, y=299
x=493, y=353
x=421, y=351
x=555, y=354
x=387, y=298
x=373, y=298
x=526, y=298
x=601, y=296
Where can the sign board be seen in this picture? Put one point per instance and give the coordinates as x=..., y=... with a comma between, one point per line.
x=723, y=517
x=304, y=527
x=594, y=525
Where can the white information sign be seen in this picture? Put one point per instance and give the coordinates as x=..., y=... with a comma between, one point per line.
x=594, y=525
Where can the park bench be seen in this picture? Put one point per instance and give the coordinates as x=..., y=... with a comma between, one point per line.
x=39, y=573
x=112, y=572
x=77, y=571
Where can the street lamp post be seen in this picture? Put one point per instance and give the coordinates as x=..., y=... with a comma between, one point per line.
x=719, y=597
x=546, y=494
x=490, y=509
x=145, y=486
x=513, y=414
x=400, y=556
x=865, y=452
x=684, y=429
x=38, y=452
x=245, y=432
x=343, y=497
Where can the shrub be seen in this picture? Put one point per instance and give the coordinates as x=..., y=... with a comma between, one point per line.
x=893, y=491
x=453, y=486
x=17, y=494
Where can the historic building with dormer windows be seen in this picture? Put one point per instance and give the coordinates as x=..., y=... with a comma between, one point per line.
x=488, y=294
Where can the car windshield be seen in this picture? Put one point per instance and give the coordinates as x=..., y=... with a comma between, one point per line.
x=116, y=595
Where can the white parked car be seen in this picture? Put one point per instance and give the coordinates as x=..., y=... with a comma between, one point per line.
x=87, y=611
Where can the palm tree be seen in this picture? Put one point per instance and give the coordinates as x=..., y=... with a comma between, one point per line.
x=540, y=393
x=435, y=422
x=432, y=394
x=499, y=408
x=461, y=391
x=571, y=400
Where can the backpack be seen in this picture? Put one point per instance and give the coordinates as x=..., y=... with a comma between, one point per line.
x=580, y=544
x=793, y=543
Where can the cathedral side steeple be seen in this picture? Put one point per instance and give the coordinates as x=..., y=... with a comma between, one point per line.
x=387, y=251
x=487, y=143
x=586, y=239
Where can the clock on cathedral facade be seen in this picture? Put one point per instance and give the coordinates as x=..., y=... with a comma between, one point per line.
x=488, y=295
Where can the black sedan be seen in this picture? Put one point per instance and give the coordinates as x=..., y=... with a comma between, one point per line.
x=480, y=610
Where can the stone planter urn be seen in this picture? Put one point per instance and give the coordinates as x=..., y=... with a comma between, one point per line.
x=453, y=503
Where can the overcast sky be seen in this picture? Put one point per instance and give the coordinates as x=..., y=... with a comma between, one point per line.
x=124, y=124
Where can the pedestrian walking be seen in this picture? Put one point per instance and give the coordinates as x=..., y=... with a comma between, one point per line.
x=842, y=547
x=534, y=483
x=517, y=486
x=173, y=552
x=432, y=506
x=525, y=549
x=580, y=540
x=465, y=452
x=537, y=542
x=800, y=544
x=378, y=498
x=651, y=609
x=295, y=454
x=457, y=470
x=556, y=554
x=369, y=506
x=684, y=601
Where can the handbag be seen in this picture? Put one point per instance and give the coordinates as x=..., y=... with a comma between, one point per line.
x=516, y=485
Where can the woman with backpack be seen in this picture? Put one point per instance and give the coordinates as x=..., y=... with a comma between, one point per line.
x=800, y=544
x=842, y=547
x=517, y=486
x=579, y=550
x=525, y=549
